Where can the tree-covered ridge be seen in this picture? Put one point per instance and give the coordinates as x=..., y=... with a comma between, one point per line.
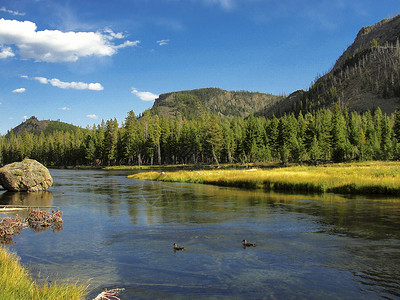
x=366, y=76
x=194, y=103
x=33, y=125
x=326, y=135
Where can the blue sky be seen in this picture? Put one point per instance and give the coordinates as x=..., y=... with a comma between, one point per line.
x=84, y=61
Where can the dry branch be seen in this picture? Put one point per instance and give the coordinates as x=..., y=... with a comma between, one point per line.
x=109, y=294
x=38, y=220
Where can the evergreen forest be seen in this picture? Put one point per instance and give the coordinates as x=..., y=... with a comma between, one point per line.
x=323, y=136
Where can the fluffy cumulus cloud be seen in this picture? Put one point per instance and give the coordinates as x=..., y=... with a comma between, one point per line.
x=58, y=46
x=70, y=85
x=19, y=91
x=65, y=108
x=145, y=96
x=92, y=116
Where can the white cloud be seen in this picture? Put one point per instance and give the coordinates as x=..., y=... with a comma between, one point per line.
x=162, y=42
x=126, y=44
x=92, y=116
x=58, y=46
x=145, y=96
x=20, y=90
x=71, y=85
x=113, y=35
x=65, y=108
x=6, y=52
x=13, y=12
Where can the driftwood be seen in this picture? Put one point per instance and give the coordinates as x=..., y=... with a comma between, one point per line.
x=10, y=227
x=37, y=220
x=7, y=208
x=109, y=294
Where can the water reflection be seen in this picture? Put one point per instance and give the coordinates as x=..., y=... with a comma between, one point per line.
x=37, y=199
x=119, y=232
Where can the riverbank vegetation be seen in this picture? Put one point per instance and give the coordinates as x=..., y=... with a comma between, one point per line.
x=17, y=284
x=324, y=135
x=361, y=178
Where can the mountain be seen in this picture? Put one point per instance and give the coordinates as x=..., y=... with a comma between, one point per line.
x=194, y=103
x=33, y=125
x=365, y=76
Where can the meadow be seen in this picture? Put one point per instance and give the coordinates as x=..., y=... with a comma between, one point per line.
x=373, y=177
x=17, y=284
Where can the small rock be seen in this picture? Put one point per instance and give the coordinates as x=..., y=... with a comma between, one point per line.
x=26, y=176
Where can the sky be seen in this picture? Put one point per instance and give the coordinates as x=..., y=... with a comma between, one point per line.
x=82, y=62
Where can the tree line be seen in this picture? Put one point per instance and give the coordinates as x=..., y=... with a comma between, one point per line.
x=325, y=135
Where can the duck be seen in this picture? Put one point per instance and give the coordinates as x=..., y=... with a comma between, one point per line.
x=179, y=248
x=246, y=244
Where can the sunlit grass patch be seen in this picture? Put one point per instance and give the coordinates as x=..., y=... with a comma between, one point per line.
x=365, y=177
x=16, y=283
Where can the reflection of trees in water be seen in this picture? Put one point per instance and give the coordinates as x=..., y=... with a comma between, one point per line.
x=36, y=199
x=43, y=198
x=373, y=219
x=160, y=203
x=362, y=227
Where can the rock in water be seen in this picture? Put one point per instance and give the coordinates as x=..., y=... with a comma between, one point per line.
x=26, y=176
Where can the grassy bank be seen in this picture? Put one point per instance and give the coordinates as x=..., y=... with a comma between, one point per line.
x=16, y=283
x=357, y=178
x=267, y=165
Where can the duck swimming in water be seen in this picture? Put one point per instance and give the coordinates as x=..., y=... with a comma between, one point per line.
x=246, y=244
x=179, y=248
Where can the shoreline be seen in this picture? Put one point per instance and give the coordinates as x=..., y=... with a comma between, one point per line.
x=371, y=178
x=17, y=283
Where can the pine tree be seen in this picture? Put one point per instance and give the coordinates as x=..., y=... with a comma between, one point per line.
x=386, y=139
x=378, y=119
x=214, y=137
x=396, y=125
x=273, y=137
x=324, y=133
x=338, y=135
x=110, y=141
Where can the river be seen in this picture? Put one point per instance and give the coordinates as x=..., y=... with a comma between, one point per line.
x=119, y=233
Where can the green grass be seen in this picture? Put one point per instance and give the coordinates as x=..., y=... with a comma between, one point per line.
x=16, y=283
x=355, y=178
x=195, y=166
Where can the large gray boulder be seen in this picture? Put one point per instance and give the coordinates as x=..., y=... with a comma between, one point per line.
x=25, y=176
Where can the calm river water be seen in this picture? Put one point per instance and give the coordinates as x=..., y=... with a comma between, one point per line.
x=118, y=232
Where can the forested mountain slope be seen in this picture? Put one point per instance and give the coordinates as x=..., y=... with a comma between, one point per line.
x=33, y=125
x=194, y=103
x=366, y=76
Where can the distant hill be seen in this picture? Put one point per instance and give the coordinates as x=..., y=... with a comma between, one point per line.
x=194, y=103
x=33, y=125
x=365, y=76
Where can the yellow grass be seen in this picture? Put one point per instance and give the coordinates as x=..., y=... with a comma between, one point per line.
x=366, y=178
x=16, y=283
